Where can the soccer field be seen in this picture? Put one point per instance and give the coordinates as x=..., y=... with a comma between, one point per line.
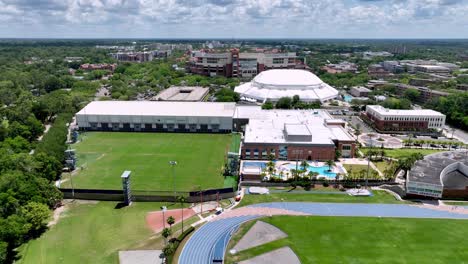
x=103, y=156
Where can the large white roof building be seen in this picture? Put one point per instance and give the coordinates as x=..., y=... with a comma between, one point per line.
x=271, y=85
x=156, y=116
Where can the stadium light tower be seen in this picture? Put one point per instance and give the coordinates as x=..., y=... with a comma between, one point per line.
x=173, y=163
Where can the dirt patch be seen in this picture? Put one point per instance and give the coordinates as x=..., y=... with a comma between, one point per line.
x=156, y=222
x=56, y=215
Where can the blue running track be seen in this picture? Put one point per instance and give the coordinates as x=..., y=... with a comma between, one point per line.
x=208, y=244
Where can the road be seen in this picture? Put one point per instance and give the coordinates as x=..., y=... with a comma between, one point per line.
x=457, y=133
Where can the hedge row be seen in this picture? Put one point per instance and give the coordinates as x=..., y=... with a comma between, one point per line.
x=53, y=142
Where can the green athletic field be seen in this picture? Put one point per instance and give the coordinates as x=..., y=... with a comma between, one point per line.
x=366, y=240
x=94, y=233
x=103, y=156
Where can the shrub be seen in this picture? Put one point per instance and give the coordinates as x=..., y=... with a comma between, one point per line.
x=325, y=184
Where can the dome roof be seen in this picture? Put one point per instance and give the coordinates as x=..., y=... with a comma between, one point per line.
x=282, y=79
x=271, y=85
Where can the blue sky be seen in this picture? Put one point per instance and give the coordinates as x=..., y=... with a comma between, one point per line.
x=234, y=18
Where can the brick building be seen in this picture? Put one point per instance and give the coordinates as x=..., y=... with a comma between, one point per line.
x=425, y=94
x=240, y=64
x=291, y=134
x=390, y=120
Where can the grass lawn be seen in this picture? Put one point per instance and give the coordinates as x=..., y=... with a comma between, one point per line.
x=382, y=165
x=368, y=240
x=94, y=233
x=459, y=203
x=356, y=169
x=403, y=152
x=379, y=197
x=105, y=155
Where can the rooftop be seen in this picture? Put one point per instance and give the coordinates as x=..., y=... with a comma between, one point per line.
x=274, y=84
x=158, y=108
x=430, y=168
x=182, y=93
x=268, y=126
x=398, y=112
x=287, y=78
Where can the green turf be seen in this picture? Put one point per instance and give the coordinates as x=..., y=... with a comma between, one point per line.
x=105, y=155
x=379, y=197
x=91, y=233
x=382, y=165
x=459, y=203
x=403, y=152
x=368, y=240
x=235, y=143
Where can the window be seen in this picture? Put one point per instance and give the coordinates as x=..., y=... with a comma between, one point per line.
x=264, y=153
x=212, y=60
x=278, y=60
x=346, y=147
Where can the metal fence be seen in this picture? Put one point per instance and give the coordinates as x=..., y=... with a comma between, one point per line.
x=148, y=195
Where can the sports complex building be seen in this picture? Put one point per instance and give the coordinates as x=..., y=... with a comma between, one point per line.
x=271, y=85
x=440, y=175
x=285, y=134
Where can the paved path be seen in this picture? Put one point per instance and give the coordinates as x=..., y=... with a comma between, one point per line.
x=210, y=241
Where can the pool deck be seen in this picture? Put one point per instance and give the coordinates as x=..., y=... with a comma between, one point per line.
x=254, y=167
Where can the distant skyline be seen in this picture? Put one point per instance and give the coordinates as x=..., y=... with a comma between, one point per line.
x=234, y=19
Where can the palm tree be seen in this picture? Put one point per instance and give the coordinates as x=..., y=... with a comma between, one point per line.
x=330, y=164
x=304, y=165
x=270, y=167
x=166, y=232
x=182, y=200
x=408, y=162
x=170, y=221
x=382, y=153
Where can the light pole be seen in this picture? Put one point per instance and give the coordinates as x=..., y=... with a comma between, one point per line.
x=173, y=163
x=368, y=159
x=163, y=209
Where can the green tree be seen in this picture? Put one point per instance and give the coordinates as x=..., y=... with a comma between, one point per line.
x=170, y=221
x=268, y=105
x=166, y=232
x=412, y=94
x=36, y=214
x=284, y=103
x=330, y=164
x=182, y=200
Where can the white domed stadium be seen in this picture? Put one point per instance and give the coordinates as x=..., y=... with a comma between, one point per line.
x=271, y=85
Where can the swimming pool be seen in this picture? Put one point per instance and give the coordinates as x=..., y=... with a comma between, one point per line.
x=348, y=98
x=252, y=165
x=323, y=171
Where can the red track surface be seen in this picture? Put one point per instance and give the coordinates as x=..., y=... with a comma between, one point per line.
x=155, y=219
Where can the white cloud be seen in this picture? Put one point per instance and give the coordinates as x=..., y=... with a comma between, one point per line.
x=239, y=18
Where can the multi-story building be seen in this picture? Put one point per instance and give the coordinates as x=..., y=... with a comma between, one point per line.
x=100, y=66
x=292, y=134
x=140, y=56
x=378, y=71
x=425, y=94
x=391, y=120
x=344, y=66
x=240, y=64
x=359, y=91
